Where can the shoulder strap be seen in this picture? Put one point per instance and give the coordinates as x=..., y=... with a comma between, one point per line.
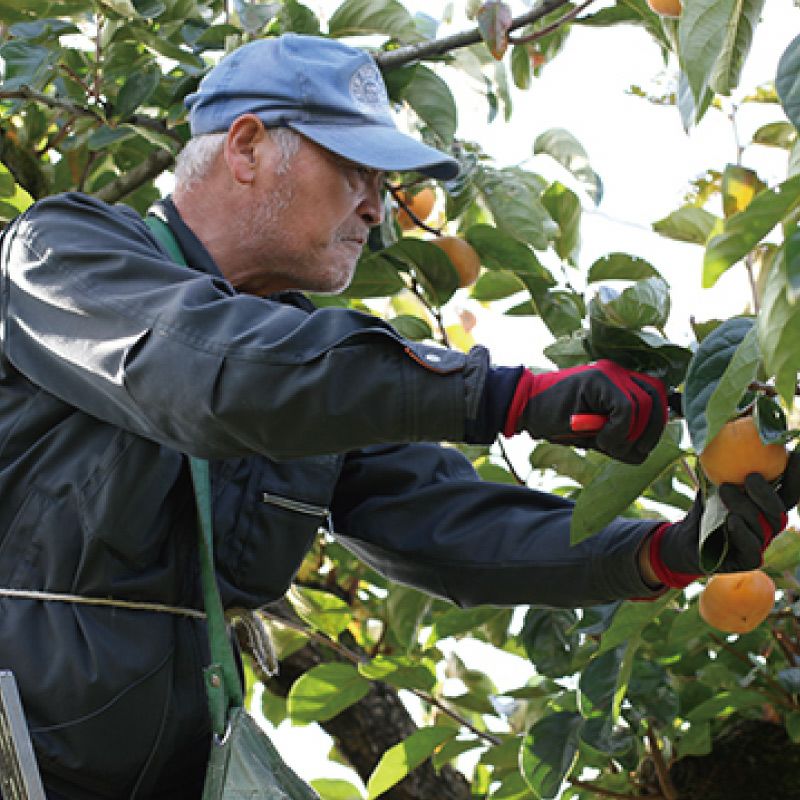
x=222, y=677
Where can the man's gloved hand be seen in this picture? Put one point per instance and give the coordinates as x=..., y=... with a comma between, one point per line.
x=757, y=513
x=634, y=404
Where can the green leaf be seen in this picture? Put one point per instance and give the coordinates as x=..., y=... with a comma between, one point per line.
x=620, y=266
x=500, y=251
x=736, y=46
x=779, y=330
x=724, y=703
x=617, y=485
x=631, y=619
x=335, y=789
x=706, y=370
x=122, y=7
x=136, y=91
x=452, y=749
x=496, y=285
x=644, y=304
x=787, y=81
x=433, y=103
x=400, y=671
x=688, y=224
x=460, y=620
x=739, y=186
x=690, y=111
x=549, y=752
x=561, y=145
x=776, y=134
x=325, y=691
x=321, y=610
x=743, y=231
x=375, y=276
x=411, y=327
x=565, y=208
x=568, y=351
x=550, y=640
x=599, y=680
x=406, y=608
x=783, y=552
x=521, y=67
x=254, y=17
x=26, y=64
x=564, y=460
x=362, y=17
x=399, y=760
x=703, y=31
x=793, y=726
x=431, y=266
x=516, y=207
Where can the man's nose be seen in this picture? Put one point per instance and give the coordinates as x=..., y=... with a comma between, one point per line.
x=371, y=207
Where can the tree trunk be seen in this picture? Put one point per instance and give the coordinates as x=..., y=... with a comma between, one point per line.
x=751, y=760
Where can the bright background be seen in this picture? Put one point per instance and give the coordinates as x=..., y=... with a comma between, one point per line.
x=646, y=162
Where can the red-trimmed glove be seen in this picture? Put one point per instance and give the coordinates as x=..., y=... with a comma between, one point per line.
x=634, y=404
x=757, y=513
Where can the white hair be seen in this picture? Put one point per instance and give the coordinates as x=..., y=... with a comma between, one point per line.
x=199, y=154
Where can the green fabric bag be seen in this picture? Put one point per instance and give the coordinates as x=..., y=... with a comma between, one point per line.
x=244, y=764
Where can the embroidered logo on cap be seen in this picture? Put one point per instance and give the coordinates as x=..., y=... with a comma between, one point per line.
x=367, y=89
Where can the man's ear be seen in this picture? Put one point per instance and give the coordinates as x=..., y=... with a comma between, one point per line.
x=241, y=146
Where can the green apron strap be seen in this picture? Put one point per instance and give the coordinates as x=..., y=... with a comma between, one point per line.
x=223, y=685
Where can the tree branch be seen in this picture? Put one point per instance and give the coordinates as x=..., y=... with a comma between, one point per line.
x=150, y=168
x=439, y=47
x=664, y=781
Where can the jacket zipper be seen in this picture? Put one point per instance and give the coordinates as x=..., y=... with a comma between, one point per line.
x=300, y=507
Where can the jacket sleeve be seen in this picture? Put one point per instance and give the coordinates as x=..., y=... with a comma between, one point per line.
x=420, y=515
x=94, y=312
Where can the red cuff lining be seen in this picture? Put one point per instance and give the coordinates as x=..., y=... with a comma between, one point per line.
x=675, y=580
x=520, y=399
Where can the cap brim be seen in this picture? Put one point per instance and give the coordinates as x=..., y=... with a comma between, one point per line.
x=381, y=147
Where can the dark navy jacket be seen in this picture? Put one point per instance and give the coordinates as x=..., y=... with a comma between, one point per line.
x=115, y=363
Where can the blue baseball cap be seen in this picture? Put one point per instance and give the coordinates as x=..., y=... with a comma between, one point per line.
x=330, y=92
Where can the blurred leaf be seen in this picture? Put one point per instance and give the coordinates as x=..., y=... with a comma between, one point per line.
x=743, y=231
x=460, y=620
x=521, y=66
x=620, y=266
x=735, y=46
x=374, y=277
x=561, y=145
x=406, y=608
x=598, y=682
x=644, y=304
x=632, y=618
x=433, y=102
x=399, y=760
x=136, y=91
x=617, y=485
x=361, y=17
x=705, y=373
x=687, y=224
x=452, y=749
x=325, y=691
x=725, y=703
x=787, y=81
x=549, y=752
x=496, y=285
x=779, y=330
x=335, y=789
x=494, y=21
x=568, y=351
x=739, y=186
x=770, y=420
x=564, y=460
x=565, y=208
x=783, y=552
x=26, y=64
x=253, y=17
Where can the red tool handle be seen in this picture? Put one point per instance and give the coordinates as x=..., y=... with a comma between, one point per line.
x=587, y=423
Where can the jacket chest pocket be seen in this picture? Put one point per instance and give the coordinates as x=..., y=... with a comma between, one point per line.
x=274, y=534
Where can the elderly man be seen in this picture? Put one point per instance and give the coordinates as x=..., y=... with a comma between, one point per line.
x=117, y=361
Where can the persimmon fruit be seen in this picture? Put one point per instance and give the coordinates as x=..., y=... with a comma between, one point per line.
x=463, y=256
x=737, y=602
x=421, y=204
x=666, y=8
x=737, y=450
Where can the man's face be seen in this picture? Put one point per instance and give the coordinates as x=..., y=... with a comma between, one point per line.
x=309, y=220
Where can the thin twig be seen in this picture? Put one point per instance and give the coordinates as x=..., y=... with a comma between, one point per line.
x=130, y=181
x=395, y=192
x=439, y=47
x=504, y=452
x=550, y=28
x=356, y=659
x=662, y=771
